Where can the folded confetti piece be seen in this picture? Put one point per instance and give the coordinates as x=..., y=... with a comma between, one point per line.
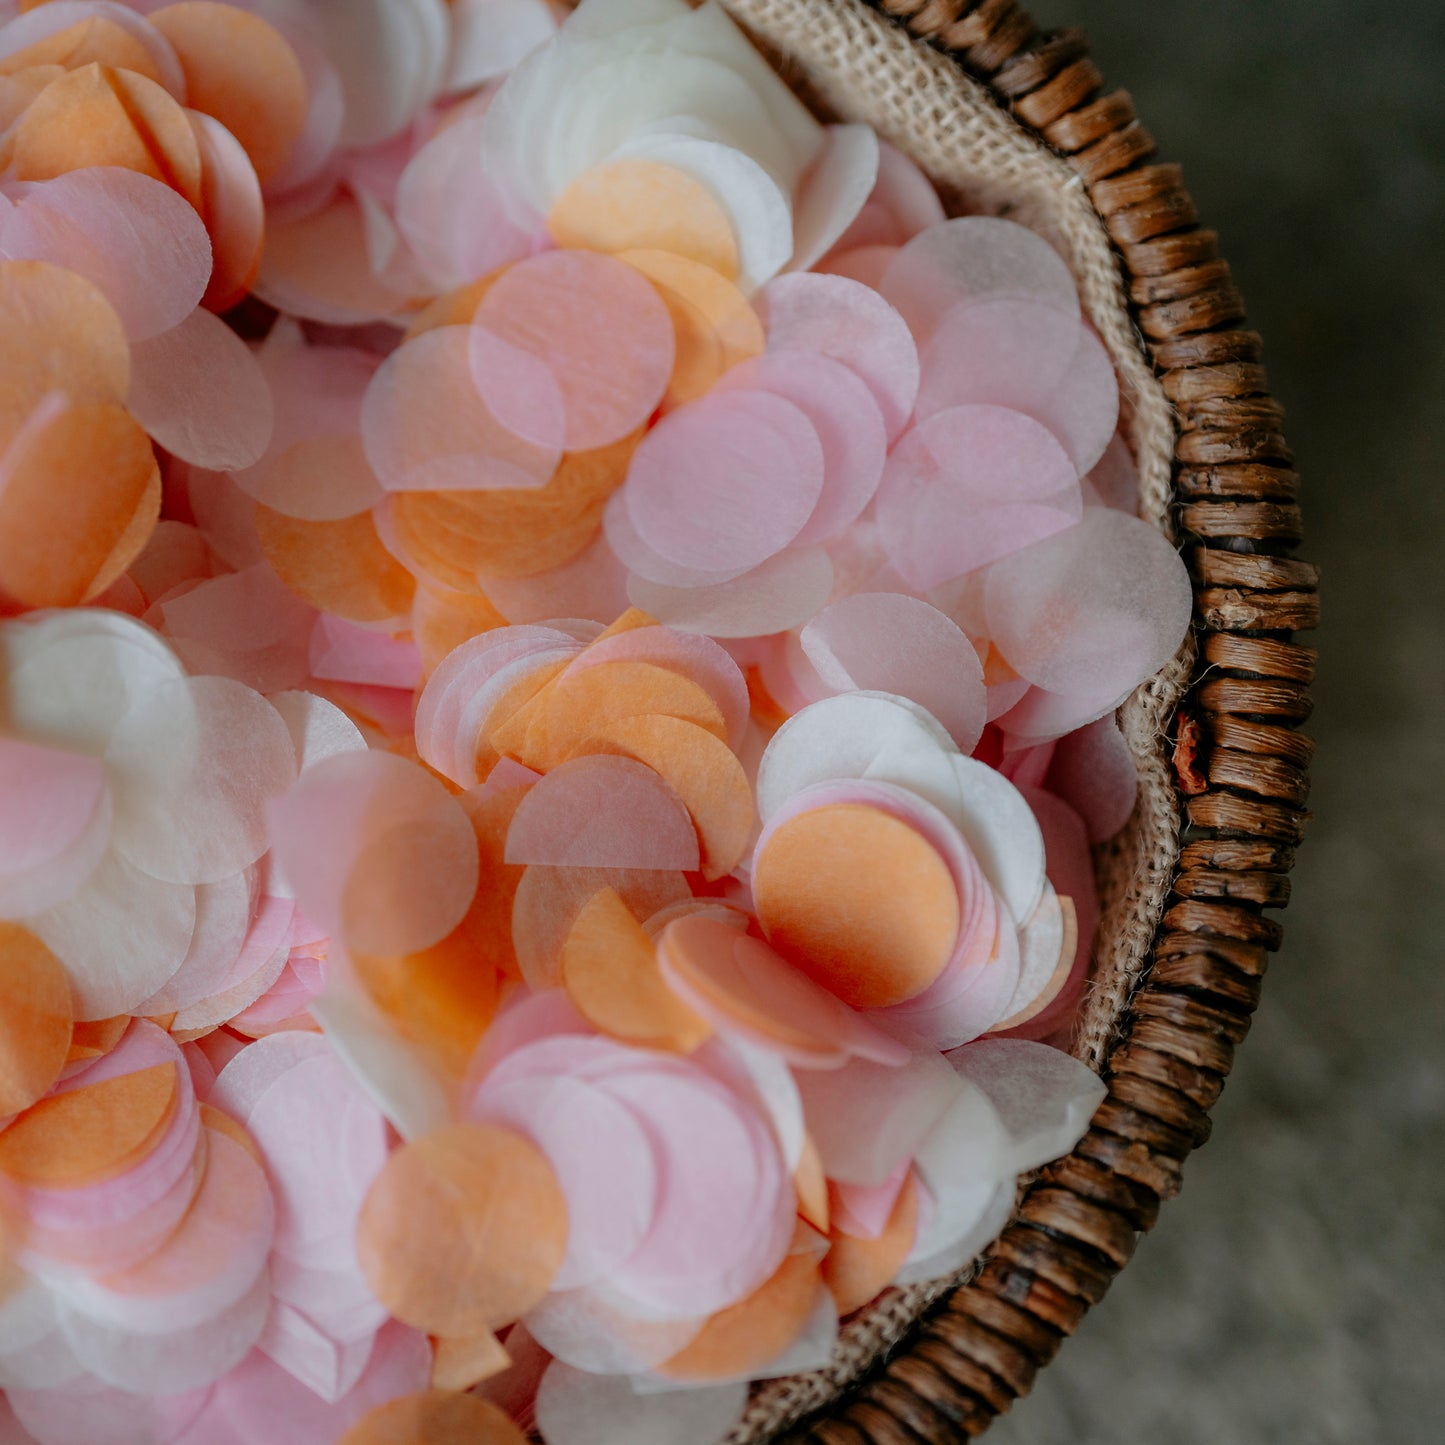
x=560, y=632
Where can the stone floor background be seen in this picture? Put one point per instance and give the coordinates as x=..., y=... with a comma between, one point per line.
x=1295, y=1292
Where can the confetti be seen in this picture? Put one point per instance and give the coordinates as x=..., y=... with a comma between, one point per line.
x=561, y=626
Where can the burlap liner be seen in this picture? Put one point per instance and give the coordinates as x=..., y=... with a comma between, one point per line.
x=856, y=65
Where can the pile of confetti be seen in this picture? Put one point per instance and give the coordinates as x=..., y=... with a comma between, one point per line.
x=560, y=632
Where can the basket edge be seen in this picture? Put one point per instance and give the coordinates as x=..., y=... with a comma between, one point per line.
x=1241, y=765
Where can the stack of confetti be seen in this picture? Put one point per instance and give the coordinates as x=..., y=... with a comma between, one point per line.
x=560, y=632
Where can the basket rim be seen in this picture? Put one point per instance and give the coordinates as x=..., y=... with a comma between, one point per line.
x=1240, y=762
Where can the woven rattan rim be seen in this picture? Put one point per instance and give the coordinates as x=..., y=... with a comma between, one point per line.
x=1240, y=763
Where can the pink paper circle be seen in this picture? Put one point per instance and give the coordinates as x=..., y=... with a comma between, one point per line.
x=211, y=1260
x=50, y=798
x=889, y=642
x=135, y=238
x=972, y=257
x=601, y=329
x=970, y=485
x=722, y=1193
x=850, y=322
x=1092, y=611
x=605, y=811
x=1003, y=350
x=847, y=419
x=199, y=392
x=1083, y=409
x=426, y=427
x=644, y=561
x=604, y=1163
x=1114, y=479
x=727, y=481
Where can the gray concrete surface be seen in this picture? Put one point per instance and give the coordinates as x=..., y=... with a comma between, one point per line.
x=1295, y=1293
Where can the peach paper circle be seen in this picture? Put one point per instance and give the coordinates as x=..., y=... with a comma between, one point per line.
x=859, y=901
x=462, y=1230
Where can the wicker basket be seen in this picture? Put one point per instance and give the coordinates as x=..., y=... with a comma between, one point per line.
x=975, y=85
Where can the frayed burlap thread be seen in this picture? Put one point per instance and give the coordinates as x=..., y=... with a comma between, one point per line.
x=856, y=65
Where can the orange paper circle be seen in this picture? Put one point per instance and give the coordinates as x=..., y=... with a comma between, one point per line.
x=698, y=766
x=463, y=1230
x=101, y=116
x=489, y=920
x=610, y=972
x=639, y=204
x=556, y=723
x=93, y=1038
x=338, y=567
x=86, y=42
x=441, y=998
x=240, y=71
x=512, y=533
x=35, y=1018
x=91, y=1133
x=78, y=504
x=700, y=951
x=856, y=1270
x=714, y=325
x=434, y=1417
x=61, y=334
x=743, y=1338
x=861, y=902
x=458, y=1364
